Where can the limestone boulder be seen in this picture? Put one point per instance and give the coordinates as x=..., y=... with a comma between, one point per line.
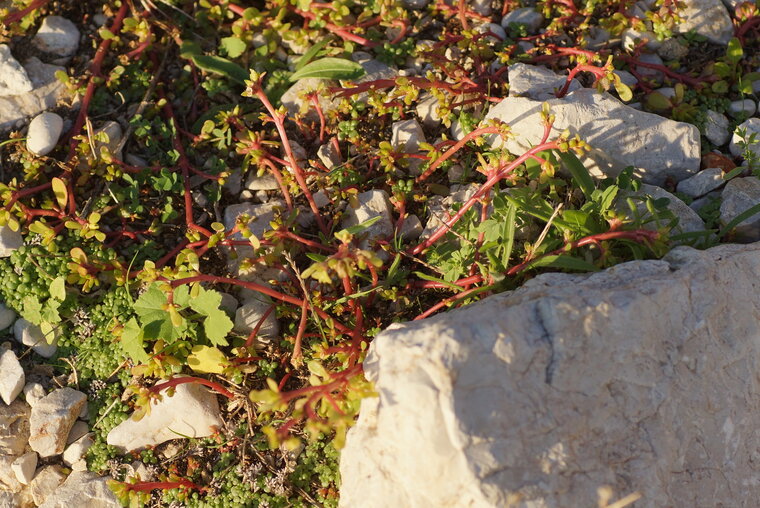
x=619, y=135
x=641, y=377
x=52, y=418
x=707, y=18
x=82, y=488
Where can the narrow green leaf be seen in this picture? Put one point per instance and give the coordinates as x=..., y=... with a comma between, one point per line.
x=579, y=172
x=329, y=68
x=221, y=66
x=311, y=53
x=565, y=262
x=746, y=214
x=509, y=234
x=353, y=230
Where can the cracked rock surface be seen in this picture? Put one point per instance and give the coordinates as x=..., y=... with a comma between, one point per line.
x=641, y=377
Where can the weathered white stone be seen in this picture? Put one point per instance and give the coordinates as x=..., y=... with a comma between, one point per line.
x=294, y=102
x=9, y=499
x=482, y=7
x=672, y=49
x=527, y=16
x=688, y=220
x=630, y=37
x=648, y=72
x=739, y=195
x=57, y=35
x=7, y=316
x=14, y=428
x=45, y=482
x=637, y=377
x=82, y=488
x=52, y=418
x=707, y=18
x=267, y=181
x=627, y=78
x=746, y=107
x=371, y=204
x=23, y=467
x=416, y=5
x=596, y=38
x=667, y=91
x=427, y=110
x=33, y=393
x=11, y=376
x=13, y=78
x=406, y=136
x=247, y=317
x=411, y=229
x=77, y=450
x=750, y=126
x=619, y=135
x=703, y=182
x=329, y=156
x=192, y=411
x=8, y=480
x=716, y=128
x=78, y=430
x=114, y=132
x=261, y=215
x=44, y=131
x=31, y=336
x=48, y=92
x=9, y=241
x=536, y=82
x=373, y=69
x=497, y=31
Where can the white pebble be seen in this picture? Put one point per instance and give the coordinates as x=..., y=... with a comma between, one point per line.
x=44, y=132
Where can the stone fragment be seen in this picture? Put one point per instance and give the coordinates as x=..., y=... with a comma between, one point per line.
x=536, y=82
x=85, y=489
x=31, y=336
x=742, y=107
x=23, y=467
x=52, y=419
x=371, y=204
x=707, y=199
x=703, y=182
x=411, y=229
x=597, y=38
x=416, y=5
x=744, y=133
x=672, y=49
x=635, y=377
x=707, y=18
x=373, y=69
x=267, y=181
x=527, y=16
x=649, y=72
x=247, y=317
x=14, y=428
x=114, y=132
x=33, y=393
x=716, y=128
x=406, y=136
x=427, y=110
x=627, y=78
x=10, y=241
x=48, y=92
x=229, y=303
x=76, y=451
x=8, y=480
x=294, y=98
x=688, y=220
x=7, y=316
x=619, y=135
x=496, y=32
x=44, y=131
x=11, y=376
x=9, y=499
x=13, y=78
x=329, y=156
x=78, y=430
x=739, y=195
x=57, y=35
x=192, y=411
x=631, y=36
x=45, y=483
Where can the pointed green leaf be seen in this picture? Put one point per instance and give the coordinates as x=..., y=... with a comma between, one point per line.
x=329, y=68
x=579, y=172
x=221, y=66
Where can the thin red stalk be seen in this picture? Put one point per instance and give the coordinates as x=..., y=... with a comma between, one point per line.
x=255, y=331
x=297, y=354
x=15, y=16
x=451, y=151
x=149, y=486
x=190, y=379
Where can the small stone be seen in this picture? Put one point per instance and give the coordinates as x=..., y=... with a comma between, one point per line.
x=100, y=19
x=703, y=182
x=8, y=480
x=84, y=489
x=23, y=467
x=740, y=195
x=750, y=126
x=10, y=241
x=329, y=156
x=321, y=199
x=45, y=483
x=192, y=411
x=57, y=35
x=33, y=392
x=11, y=376
x=667, y=91
x=455, y=173
x=630, y=37
x=77, y=450
x=44, y=131
x=411, y=229
x=48, y=93
x=13, y=77
x=52, y=418
x=229, y=303
x=427, y=110
x=672, y=49
x=707, y=18
x=688, y=220
x=7, y=316
x=114, y=132
x=705, y=200
x=536, y=82
x=746, y=107
x=416, y=5
x=294, y=98
x=247, y=317
x=407, y=136
x=627, y=78
x=31, y=336
x=716, y=128
x=371, y=204
x=527, y=16
x=78, y=430
x=267, y=181
x=597, y=38
x=482, y=7
x=494, y=29
x=648, y=72
x=14, y=428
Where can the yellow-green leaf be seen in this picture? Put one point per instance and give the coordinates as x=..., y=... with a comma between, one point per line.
x=207, y=360
x=60, y=192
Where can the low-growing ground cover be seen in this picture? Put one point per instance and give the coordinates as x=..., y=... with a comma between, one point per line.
x=375, y=195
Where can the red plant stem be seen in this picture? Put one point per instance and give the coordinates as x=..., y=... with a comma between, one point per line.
x=451, y=151
x=15, y=16
x=340, y=377
x=694, y=82
x=596, y=71
x=435, y=308
x=190, y=379
x=315, y=102
x=255, y=331
x=297, y=354
x=149, y=486
x=280, y=182
x=340, y=32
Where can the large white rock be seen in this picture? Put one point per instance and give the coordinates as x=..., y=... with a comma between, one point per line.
x=44, y=131
x=13, y=78
x=708, y=18
x=11, y=376
x=46, y=482
x=740, y=195
x=82, y=488
x=57, y=35
x=52, y=419
x=30, y=335
x=192, y=411
x=14, y=428
x=528, y=16
x=640, y=377
x=536, y=82
x=619, y=135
